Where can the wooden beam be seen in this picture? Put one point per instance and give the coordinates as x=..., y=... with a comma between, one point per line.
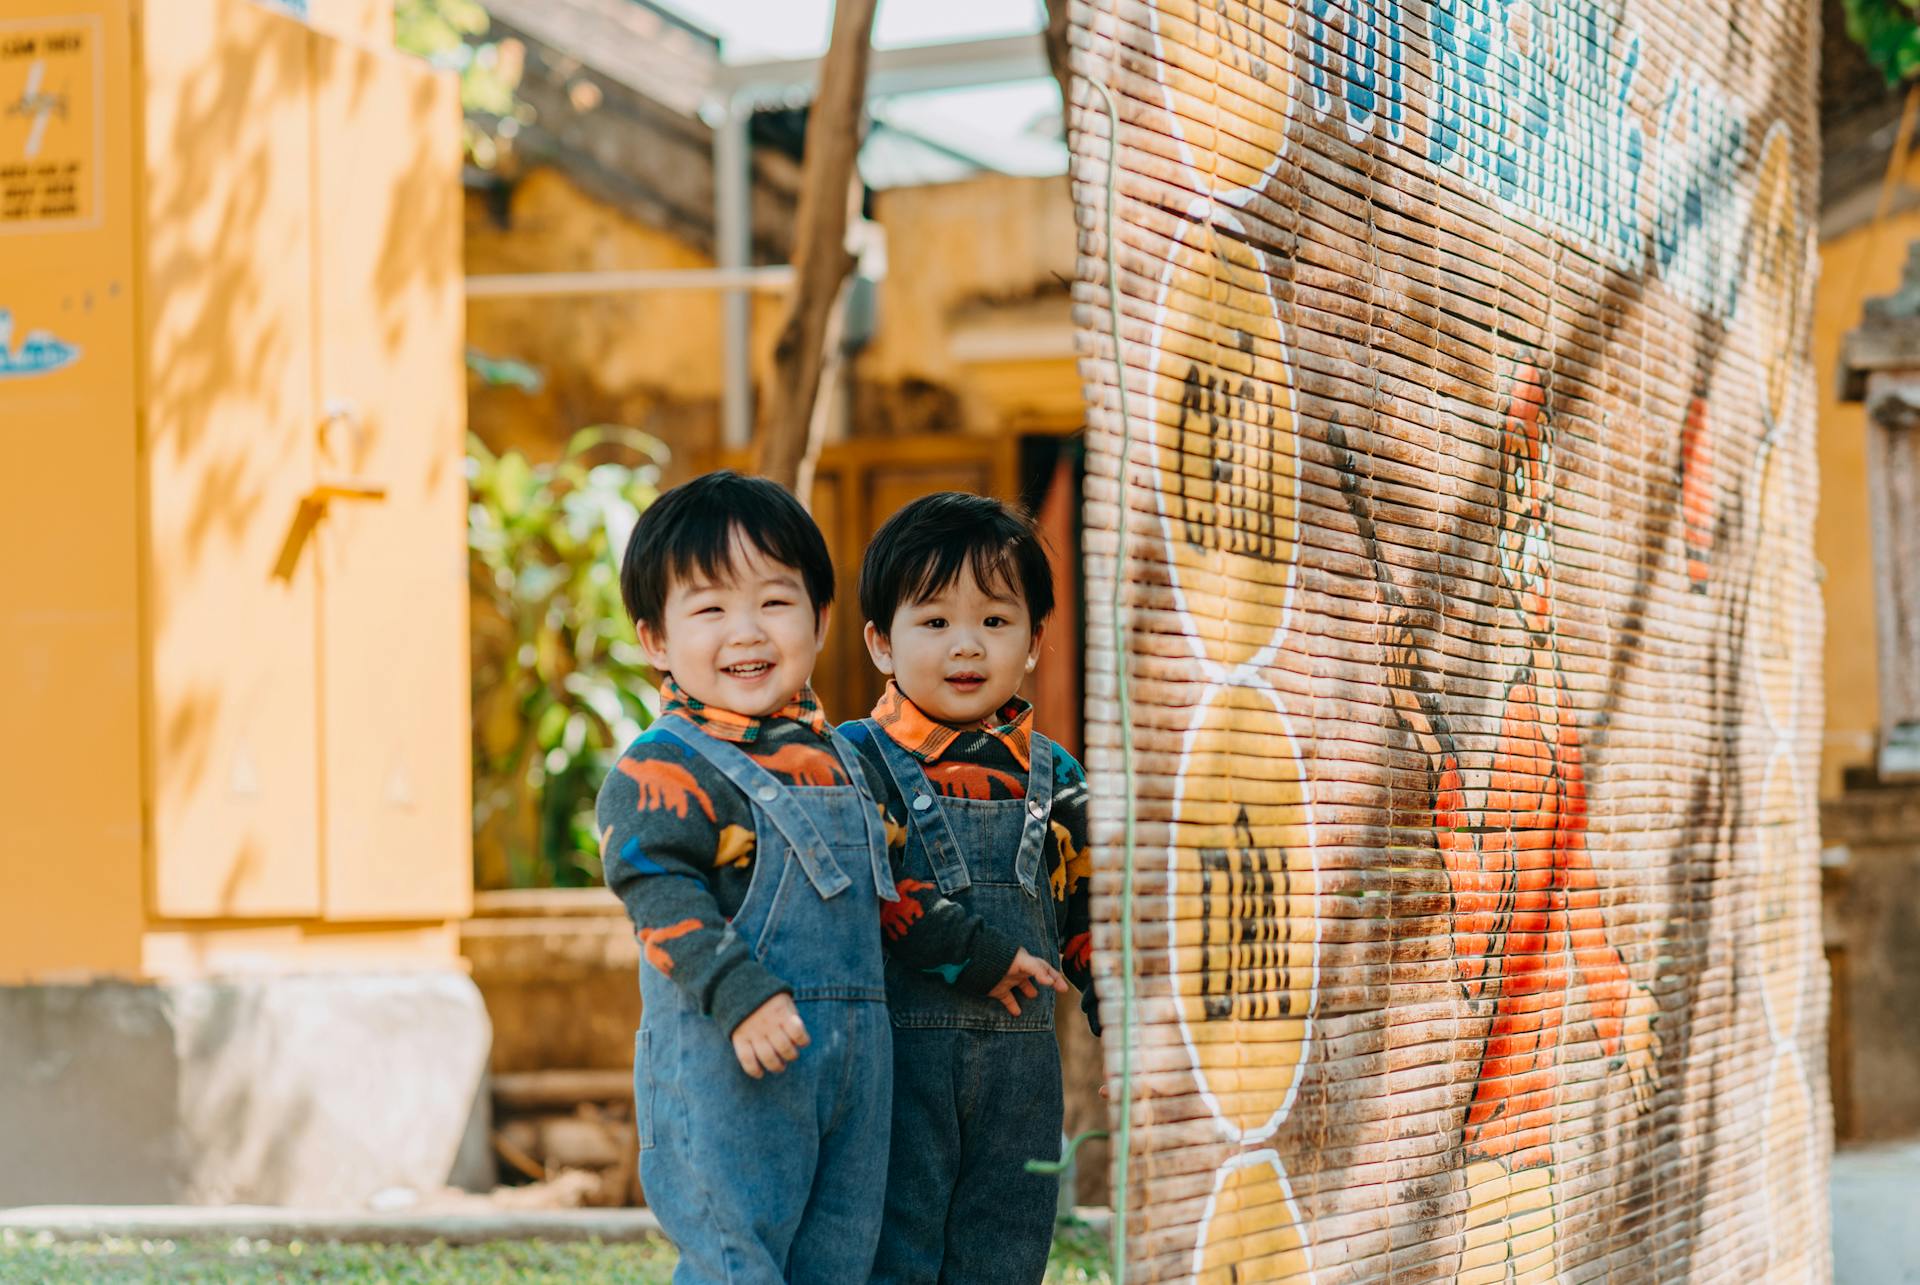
x=821, y=259
x=534, y=1090
x=566, y=285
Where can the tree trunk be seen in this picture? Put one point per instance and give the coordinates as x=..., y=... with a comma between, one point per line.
x=823, y=401
x=820, y=258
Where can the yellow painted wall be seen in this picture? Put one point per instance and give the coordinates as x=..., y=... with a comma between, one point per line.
x=974, y=330
x=205, y=765
x=975, y=300
x=649, y=360
x=1855, y=266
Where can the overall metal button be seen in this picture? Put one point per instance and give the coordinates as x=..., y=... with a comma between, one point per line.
x=768, y=793
x=921, y=802
x=1036, y=807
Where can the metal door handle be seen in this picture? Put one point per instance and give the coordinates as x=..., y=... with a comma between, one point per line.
x=345, y=488
x=312, y=507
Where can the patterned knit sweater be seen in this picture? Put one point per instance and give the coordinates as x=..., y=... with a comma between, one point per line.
x=677, y=846
x=991, y=763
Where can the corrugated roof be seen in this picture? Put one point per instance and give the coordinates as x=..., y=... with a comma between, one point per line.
x=649, y=50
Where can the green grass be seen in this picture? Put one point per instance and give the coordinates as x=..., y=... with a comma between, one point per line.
x=255, y=1262
x=1079, y=1258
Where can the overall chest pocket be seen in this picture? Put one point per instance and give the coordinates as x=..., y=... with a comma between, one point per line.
x=989, y=836
x=793, y=914
x=783, y=895
x=996, y=850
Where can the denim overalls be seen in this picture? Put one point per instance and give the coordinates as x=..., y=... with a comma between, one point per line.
x=779, y=1179
x=976, y=1091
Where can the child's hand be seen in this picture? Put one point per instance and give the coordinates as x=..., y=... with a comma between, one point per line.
x=1025, y=971
x=771, y=1037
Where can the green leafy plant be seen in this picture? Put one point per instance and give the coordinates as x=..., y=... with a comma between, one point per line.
x=1889, y=31
x=452, y=34
x=559, y=683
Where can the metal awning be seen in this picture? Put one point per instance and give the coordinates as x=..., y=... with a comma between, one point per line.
x=915, y=69
x=742, y=88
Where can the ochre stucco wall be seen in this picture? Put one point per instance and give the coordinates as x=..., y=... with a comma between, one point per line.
x=973, y=324
x=974, y=303
x=1856, y=266
x=649, y=360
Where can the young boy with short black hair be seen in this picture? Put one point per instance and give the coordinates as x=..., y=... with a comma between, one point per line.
x=743, y=835
x=956, y=590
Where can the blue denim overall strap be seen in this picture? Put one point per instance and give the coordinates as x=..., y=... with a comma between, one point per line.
x=775, y=802
x=928, y=821
x=1033, y=836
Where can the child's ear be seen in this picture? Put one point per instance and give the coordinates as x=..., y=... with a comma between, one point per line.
x=880, y=648
x=820, y=628
x=654, y=643
x=1033, y=652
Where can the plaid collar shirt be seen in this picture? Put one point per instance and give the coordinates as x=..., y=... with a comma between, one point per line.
x=927, y=739
x=741, y=729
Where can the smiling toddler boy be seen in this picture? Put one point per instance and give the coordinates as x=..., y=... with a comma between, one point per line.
x=956, y=590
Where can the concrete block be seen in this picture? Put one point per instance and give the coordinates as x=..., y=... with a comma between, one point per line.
x=318, y=1090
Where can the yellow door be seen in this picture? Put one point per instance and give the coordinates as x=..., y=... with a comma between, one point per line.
x=393, y=580
x=229, y=442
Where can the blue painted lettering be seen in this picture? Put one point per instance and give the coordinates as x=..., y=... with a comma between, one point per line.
x=1532, y=106
x=1354, y=50
x=37, y=354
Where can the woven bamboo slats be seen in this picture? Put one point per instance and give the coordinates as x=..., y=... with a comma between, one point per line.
x=1463, y=548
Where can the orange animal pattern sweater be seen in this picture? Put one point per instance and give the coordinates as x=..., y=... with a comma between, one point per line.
x=678, y=848
x=991, y=763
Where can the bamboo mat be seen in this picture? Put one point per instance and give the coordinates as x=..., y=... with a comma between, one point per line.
x=1471, y=633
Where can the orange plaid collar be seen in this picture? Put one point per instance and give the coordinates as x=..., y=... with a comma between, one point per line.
x=927, y=739
x=804, y=708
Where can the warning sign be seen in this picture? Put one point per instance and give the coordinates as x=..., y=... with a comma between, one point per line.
x=50, y=74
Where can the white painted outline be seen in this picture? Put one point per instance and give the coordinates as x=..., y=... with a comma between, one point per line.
x=1787, y=1058
x=1214, y=672
x=1783, y=1029
x=1230, y=1131
x=1203, y=181
x=1247, y=1160
x=1204, y=213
